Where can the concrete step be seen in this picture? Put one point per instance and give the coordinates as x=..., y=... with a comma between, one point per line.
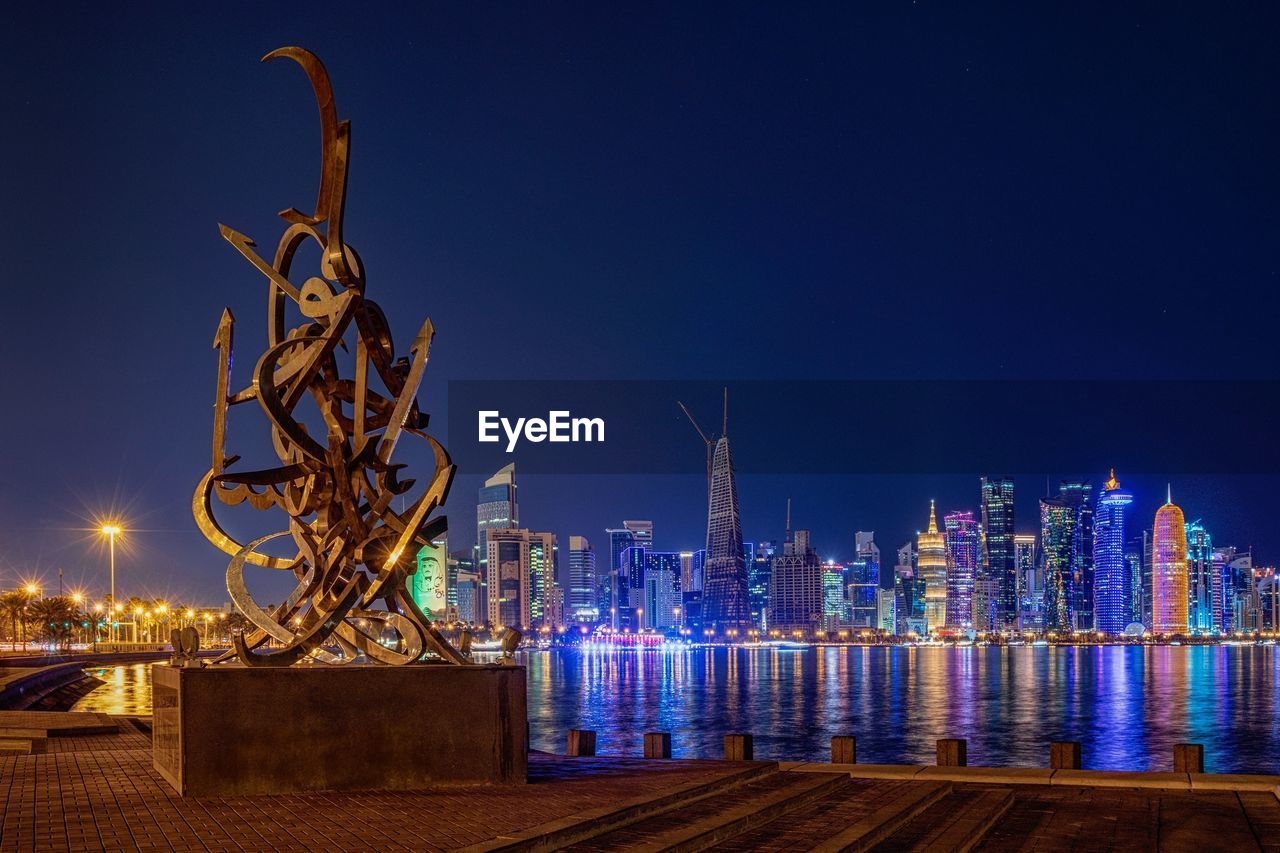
x=23, y=745
x=587, y=825
x=702, y=825
x=955, y=824
x=882, y=823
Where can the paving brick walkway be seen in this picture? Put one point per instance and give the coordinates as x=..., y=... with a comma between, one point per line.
x=100, y=793
x=96, y=793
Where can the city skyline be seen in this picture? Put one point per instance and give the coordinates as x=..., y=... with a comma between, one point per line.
x=895, y=199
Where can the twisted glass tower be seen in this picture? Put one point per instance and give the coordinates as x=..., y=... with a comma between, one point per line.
x=1113, y=595
x=725, y=602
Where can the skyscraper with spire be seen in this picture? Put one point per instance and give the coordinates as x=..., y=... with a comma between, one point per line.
x=931, y=564
x=1113, y=576
x=725, y=601
x=1169, y=570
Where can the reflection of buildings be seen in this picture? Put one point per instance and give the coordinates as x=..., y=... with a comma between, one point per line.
x=1113, y=578
x=961, y=567
x=795, y=587
x=931, y=563
x=1169, y=570
x=998, y=564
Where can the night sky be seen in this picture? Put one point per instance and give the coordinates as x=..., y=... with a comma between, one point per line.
x=653, y=191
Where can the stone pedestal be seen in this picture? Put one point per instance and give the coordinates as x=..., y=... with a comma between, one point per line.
x=232, y=730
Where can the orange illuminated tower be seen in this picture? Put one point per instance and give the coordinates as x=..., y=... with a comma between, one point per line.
x=1169, y=570
x=931, y=563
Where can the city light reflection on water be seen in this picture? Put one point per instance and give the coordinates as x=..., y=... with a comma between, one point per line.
x=1128, y=705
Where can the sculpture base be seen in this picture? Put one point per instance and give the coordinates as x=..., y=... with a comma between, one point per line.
x=232, y=730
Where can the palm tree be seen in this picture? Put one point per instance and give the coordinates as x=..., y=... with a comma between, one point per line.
x=13, y=609
x=54, y=618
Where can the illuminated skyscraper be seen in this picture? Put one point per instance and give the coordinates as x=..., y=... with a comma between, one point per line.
x=908, y=591
x=544, y=565
x=725, y=602
x=961, y=567
x=1169, y=570
x=507, y=583
x=1066, y=544
x=1030, y=583
x=1204, y=581
x=496, y=508
x=931, y=564
x=998, y=561
x=795, y=587
x=582, y=604
x=758, y=570
x=835, y=609
x=1113, y=581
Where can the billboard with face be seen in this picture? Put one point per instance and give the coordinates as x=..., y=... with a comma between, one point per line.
x=429, y=580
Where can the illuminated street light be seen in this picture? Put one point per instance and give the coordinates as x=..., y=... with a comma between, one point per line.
x=111, y=531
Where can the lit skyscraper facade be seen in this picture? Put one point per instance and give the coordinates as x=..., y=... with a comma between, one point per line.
x=582, y=605
x=834, y=608
x=496, y=507
x=1169, y=570
x=961, y=567
x=999, y=565
x=931, y=564
x=1204, y=582
x=908, y=593
x=758, y=571
x=725, y=601
x=795, y=587
x=507, y=584
x=1066, y=545
x=862, y=587
x=544, y=559
x=1113, y=579
x=1030, y=583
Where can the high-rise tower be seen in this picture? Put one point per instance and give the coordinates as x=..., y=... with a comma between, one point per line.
x=1113, y=576
x=1169, y=570
x=931, y=564
x=998, y=564
x=496, y=508
x=1066, y=543
x=725, y=601
x=962, y=563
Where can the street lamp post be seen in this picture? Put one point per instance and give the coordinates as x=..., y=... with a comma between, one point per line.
x=110, y=531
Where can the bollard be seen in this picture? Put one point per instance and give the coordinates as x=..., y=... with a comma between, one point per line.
x=1188, y=758
x=582, y=743
x=953, y=752
x=657, y=744
x=738, y=748
x=1064, y=755
x=844, y=749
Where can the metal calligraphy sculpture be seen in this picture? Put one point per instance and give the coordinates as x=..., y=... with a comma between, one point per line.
x=354, y=551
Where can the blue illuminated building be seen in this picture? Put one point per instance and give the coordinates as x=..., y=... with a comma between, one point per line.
x=1113, y=575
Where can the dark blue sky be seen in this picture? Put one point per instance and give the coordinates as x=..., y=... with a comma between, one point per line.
x=652, y=191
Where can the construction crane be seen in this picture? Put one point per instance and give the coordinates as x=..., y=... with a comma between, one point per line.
x=701, y=434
